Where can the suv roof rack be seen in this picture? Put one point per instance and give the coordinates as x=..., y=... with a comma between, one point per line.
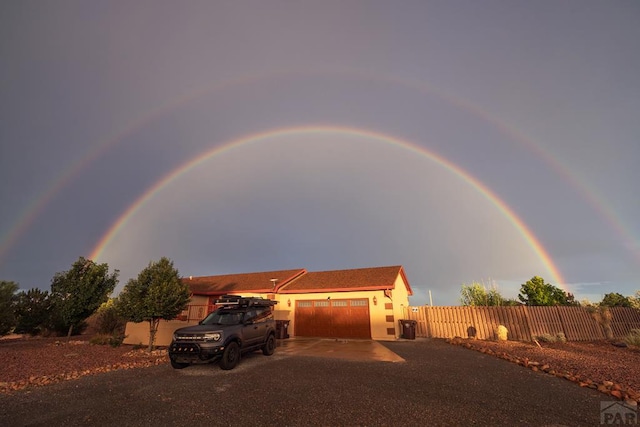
x=240, y=301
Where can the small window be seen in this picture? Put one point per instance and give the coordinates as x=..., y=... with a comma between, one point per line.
x=359, y=303
x=321, y=303
x=340, y=303
x=305, y=304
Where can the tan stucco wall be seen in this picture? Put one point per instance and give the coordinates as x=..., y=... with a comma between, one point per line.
x=400, y=299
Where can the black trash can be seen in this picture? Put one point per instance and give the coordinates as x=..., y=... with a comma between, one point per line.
x=408, y=329
x=282, y=327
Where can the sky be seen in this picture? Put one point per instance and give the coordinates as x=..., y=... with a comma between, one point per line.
x=467, y=141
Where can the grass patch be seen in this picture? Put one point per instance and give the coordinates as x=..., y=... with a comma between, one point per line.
x=633, y=338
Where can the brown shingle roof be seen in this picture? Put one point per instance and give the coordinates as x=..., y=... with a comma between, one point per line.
x=230, y=283
x=360, y=279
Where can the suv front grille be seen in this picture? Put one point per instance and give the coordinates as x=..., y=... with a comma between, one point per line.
x=190, y=337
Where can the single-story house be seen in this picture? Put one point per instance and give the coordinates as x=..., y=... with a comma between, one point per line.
x=363, y=303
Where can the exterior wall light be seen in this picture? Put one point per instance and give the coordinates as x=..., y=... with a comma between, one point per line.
x=375, y=300
x=289, y=302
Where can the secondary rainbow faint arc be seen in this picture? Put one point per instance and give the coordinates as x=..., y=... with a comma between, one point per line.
x=522, y=228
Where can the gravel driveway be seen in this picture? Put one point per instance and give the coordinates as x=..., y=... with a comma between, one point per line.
x=439, y=384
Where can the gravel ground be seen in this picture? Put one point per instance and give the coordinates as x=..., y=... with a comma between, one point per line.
x=438, y=384
x=39, y=361
x=599, y=365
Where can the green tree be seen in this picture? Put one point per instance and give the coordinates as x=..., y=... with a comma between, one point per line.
x=158, y=293
x=537, y=292
x=76, y=294
x=615, y=300
x=635, y=300
x=32, y=311
x=7, y=302
x=476, y=294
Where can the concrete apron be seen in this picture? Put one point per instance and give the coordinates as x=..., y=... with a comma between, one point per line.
x=358, y=350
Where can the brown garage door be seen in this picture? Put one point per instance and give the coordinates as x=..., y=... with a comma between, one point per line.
x=340, y=318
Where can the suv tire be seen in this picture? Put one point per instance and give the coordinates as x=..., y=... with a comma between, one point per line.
x=270, y=346
x=230, y=357
x=178, y=365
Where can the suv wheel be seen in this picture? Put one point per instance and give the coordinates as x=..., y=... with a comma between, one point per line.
x=177, y=365
x=270, y=346
x=230, y=357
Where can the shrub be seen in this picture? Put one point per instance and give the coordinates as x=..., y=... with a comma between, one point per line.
x=502, y=333
x=7, y=306
x=104, y=339
x=546, y=337
x=560, y=337
x=602, y=315
x=108, y=321
x=633, y=338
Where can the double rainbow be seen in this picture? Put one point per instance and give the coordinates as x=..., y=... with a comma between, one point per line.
x=184, y=168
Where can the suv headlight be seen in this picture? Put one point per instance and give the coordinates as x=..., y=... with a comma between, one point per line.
x=214, y=336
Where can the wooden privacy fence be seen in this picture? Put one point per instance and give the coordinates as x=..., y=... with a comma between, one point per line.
x=523, y=322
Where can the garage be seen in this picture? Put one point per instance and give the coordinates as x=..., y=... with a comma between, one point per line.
x=333, y=318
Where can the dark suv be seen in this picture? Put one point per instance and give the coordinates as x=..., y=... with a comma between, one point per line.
x=238, y=326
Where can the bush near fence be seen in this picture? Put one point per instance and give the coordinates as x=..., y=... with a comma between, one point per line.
x=523, y=322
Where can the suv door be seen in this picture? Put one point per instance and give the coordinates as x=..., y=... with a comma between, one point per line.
x=255, y=326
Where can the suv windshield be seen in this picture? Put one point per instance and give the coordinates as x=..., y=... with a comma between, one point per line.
x=223, y=318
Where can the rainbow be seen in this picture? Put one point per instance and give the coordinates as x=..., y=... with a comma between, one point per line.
x=43, y=198
x=176, y=173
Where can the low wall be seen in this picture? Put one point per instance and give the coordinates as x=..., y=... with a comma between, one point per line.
x=138, y=333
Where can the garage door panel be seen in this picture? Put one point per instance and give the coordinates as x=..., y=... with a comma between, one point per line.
x=333, y=318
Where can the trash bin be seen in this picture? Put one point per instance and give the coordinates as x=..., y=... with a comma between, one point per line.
x=408, y=328
x=282, y=327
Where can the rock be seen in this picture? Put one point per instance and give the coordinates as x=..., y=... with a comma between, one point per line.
x=620, y=344
x=616, y=393
x=607, y=384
